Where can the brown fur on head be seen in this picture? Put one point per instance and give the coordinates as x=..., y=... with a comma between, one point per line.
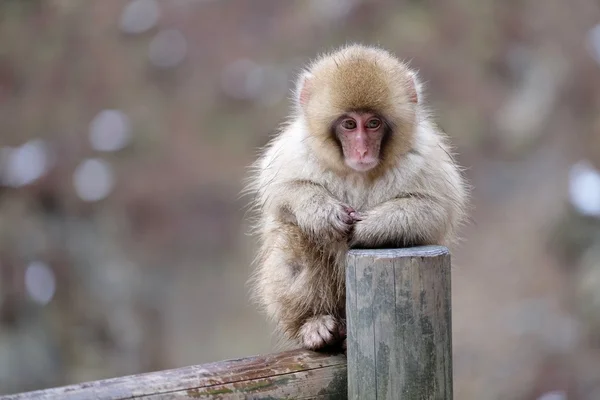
x=358, y=78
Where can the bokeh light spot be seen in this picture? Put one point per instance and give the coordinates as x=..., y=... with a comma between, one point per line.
x=594, y=42
x=167, y=49
x=24, y=165
x=110, y=130
x=139, y=16
x=93, y=179
x=584, y=188
x=40, y=282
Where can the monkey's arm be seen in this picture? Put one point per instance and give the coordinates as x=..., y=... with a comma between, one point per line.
x=313, y=208
x=411, y=219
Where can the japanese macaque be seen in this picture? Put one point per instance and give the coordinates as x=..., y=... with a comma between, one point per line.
x=359, y=165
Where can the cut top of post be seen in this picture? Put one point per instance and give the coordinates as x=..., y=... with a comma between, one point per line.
x=422, y=251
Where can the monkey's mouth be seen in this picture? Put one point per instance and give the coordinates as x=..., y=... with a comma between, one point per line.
x=362, y=165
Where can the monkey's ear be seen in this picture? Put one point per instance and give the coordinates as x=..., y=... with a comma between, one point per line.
x=303, y=89
x=414, y=88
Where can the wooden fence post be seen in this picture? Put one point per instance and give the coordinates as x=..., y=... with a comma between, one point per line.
x=399, y=324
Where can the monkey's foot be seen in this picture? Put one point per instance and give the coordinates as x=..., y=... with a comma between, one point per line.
x=320, y=332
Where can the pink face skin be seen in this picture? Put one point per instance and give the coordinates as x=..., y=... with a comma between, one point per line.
x=361, y=135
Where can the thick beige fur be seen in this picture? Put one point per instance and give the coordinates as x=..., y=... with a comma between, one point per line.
x=415, y=196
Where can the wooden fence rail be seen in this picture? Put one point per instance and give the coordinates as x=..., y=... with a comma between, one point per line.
x=399, y=346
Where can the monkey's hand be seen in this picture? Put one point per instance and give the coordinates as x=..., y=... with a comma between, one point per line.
x=401, y=222
x=365, y=231
x=314, y=209
x=327, y=220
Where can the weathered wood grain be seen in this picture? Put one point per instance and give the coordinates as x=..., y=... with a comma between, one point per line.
x=290, y=375
x=399, y=324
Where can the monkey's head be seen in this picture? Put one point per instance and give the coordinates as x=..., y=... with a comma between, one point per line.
x=359, y=105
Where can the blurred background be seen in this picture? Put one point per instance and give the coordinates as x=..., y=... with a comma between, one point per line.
x=126, y=127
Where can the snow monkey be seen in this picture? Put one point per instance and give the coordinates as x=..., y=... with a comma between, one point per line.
x=360, y=164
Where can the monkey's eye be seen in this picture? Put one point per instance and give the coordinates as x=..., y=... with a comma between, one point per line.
x=373, y=123
x=349, y=124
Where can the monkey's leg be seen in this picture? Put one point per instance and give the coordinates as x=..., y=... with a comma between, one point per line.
x=301, y=290
x=304, y=312
x=321, y=331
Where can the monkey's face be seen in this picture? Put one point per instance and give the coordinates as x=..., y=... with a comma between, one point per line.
x=360, y=135
x=360, y=109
